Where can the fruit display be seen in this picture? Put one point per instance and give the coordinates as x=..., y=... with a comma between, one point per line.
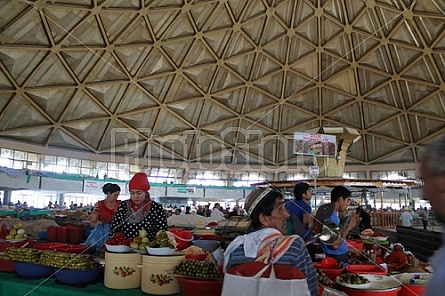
x=200, y=269
x=323, y=279
x=17, y=232
x=68, y=261
x=141, y=241
x=353, y=279
x=22, y=255
x=118, y=239
x=163, y=239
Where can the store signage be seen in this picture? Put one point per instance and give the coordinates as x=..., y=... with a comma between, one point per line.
x=182, y=189
x=95, y=186
x=315, y=144
x=314, y=170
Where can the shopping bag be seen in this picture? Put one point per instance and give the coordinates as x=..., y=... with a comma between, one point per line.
x=279, y=280
x=98, y=236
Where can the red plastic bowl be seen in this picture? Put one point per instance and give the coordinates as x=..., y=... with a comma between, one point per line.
x=365, y=269
x=329, y=263
x=193, y=287
x=331, y=273
x=48, y=246
x=77, y=249
x=200, y=257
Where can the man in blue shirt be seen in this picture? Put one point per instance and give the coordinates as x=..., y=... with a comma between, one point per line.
x=341, y=196
x=300, y=206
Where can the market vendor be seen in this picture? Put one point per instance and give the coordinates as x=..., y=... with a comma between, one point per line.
x=341, y=197
x=104, y=210
x=266, y=208
x=139, y=212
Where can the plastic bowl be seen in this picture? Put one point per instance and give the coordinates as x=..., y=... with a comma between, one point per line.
x=33, y=270
x=160, y=251
x=331, y=273
x=329, y=263
x=76, y=249
x=77, y=277
x=195, y=287
x=206, y=245
x=379, y=238
x=118, y=248
x=199, y=257
x=365, y=269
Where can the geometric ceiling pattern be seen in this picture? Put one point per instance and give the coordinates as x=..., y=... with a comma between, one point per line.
x=227, y=81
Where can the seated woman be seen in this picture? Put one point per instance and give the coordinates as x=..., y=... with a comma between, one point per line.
x=268, y=227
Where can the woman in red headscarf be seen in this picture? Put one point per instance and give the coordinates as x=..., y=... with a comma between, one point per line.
x=139, y=212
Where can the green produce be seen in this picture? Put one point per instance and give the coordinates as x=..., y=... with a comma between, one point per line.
x=201, y=269
x=353, y=279
x=21, y=255
x=68, y=261
x=323, y=279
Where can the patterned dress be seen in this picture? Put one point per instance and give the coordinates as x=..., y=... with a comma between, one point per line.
x=130, y=222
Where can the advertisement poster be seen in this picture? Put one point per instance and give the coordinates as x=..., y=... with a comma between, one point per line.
x=95, y=187
x=315, y=144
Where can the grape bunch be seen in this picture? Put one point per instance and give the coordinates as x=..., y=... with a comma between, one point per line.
x=201, y=269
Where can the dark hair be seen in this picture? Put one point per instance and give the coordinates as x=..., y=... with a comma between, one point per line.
x=339, y=191
x=111, y=188
x=265, y=207
x=300, y=189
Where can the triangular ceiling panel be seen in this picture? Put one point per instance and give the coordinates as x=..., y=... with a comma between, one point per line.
x=136, y=33
x=388, y=18
x=201, y=76
x=5, y=83
x=110, y=94
x=121, y=139
x=190, y=111
x=88, y=131
x=234, y=99
x=378, y=146
x=212, y=113
x=26, y=30
x=86, y=34
x=422, y=70
x=388, y=94
x=199, y=55
x=376, y=113
x=330, y=99
x=52, y=72
x=32, y=135
x=62, y=20
x=133, y=57
x=141, y=121
x=63, y=139
x=167, y=124
x=396, y=128
x=155, y=64
x=20, y=62
x=83, y=107
x=116, y=22
x=53, y=101
x=423, y=126
x=432, y=106
x=242, y=64
x=20, y=113
x=158, y=86
x=183, y=90
x=107, y=69
x=82, y=61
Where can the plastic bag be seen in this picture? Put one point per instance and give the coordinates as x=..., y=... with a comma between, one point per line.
x=98, y=236
x=256, y=285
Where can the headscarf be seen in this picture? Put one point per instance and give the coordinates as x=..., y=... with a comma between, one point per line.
x=139, y=182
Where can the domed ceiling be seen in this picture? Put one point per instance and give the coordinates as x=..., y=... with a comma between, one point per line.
x=226, y=81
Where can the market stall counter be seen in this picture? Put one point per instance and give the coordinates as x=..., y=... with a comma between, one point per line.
x=13, y=284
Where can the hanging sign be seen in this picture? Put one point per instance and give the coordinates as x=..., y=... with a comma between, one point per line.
x=314, y=170
x=315, y=144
